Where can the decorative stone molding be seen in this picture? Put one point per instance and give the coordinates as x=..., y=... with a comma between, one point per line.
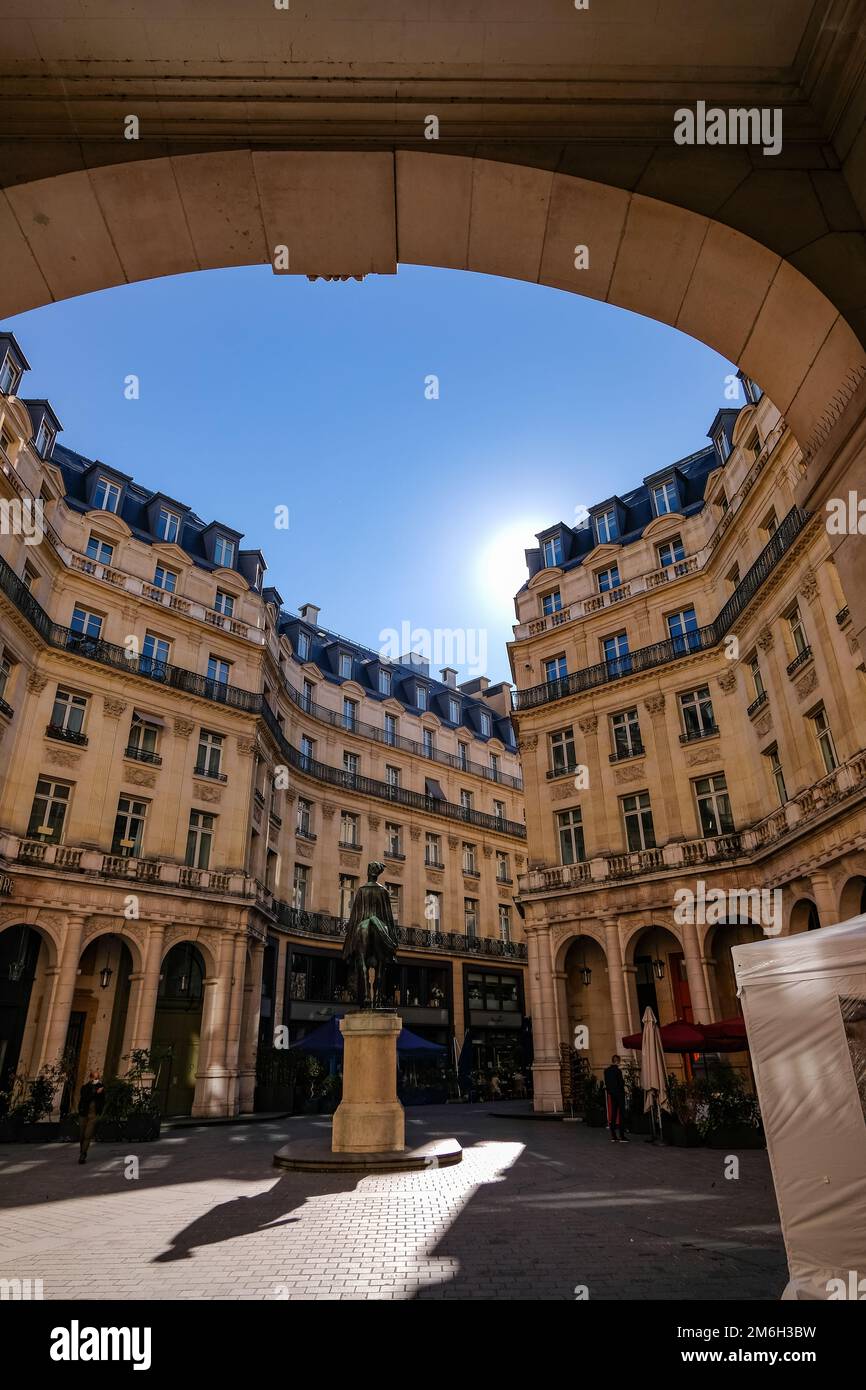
x=139, y=778
x=246, y=746
x=807, y=685
x=328, y=810
x=414, y=832
x=564, y=792
x=520, y=860
x=114, y=708
x=763, y=725
x=349, y=860
x=529, y=744
x=504, y=891
x=303, y=850
x=654, y=704
x=623, y=775
x=374, y=822
x=728, y=682
x=453, y=842
x=210, y=794
x=62, y=757
x=487, y=851
x=704, y=755
x=588, y=724
x=36, y=683
x=183, y=727
x=765, y=639
x=395, y=868
x=809, y=586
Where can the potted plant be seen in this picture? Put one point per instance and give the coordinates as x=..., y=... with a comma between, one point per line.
x=594, y=1106
x=276, y=1073
x=684, y=1126
x=29, y=1103
x=733, y=1115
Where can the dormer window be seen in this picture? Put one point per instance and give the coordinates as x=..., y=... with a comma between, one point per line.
x=345, y=666
x=552, y=550
x=454, y=710
x=10, y=375
x=421, y=696
x=224, y=552
x=167, y=525
x=723, y=446
x=107, y=495
x=485, y=724
x=606, y=528
x=303, y=646
x=44, y=439
x=384, y=682
x=665, y=497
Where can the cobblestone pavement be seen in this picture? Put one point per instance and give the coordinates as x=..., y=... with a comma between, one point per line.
x=534, y=1210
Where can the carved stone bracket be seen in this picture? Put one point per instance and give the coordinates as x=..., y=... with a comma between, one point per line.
x=809, y=586
x=654, y=704
x=62, y=757
x=183, y=727
x=114, y=708
x=588, y=724
x=487, y=851
x=139, y=778
x=807, y=685
x=728, y=682
x=210, y=794
x=246, y=746
x=415, y=832
x=328, y=809
x=528, y=744
x=765, y=639
x=374, y=822
x=36, y=682
x=623, y=775
x=453, y=842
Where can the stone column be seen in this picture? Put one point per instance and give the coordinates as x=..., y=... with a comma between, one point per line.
x=616, y=983
x=588, y=726
x=233, y=1029
x=545, y=1066
x=695, y=974
x=211, y=1089
x=250, y=1033
x=144, y=993
x=825, y=898
x=280, y=983
x=64, y=989
x=664, y=740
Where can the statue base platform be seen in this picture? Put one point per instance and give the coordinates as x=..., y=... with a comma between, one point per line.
x=316, y=1156
x=370, y=1118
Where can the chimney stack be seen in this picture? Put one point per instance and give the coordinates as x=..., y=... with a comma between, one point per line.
x=449, y=676
x=310, y=613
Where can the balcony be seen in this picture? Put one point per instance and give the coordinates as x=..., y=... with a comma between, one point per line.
x=143, y=755
x=154, y=593
x=595, y=603
x=326, y=927
x=800, y=660
x=360, y=729
x=209, y=773
x=66, y=735
x=696, y=735
x=622, y=755
x=6, y=709
x=369, y=786
x=93, y=863
x=108, y=654
x=758, y=704
x=673, y=648
x=845, y=782
x=843, y=616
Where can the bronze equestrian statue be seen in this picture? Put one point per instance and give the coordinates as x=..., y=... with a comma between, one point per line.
x=371, y=939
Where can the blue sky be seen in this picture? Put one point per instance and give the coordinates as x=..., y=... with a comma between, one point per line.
x=259, y=391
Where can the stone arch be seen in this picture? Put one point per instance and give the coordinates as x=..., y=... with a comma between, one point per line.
x=852, y=899
x=650, y=948
x=47, y=929
x=635, y=932
x=803, y=916
x=353, y=213
x=718, y=943
x=573, y=933
x=28, y=959
x=176, y=936
x=587, y=1001
x=130, y=936
x=180, y=1020
x=102, y=1004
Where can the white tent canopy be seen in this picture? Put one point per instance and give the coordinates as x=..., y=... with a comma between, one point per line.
x=804, y=1001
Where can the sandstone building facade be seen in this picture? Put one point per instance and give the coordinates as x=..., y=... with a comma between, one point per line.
x=192, y=782
x=691, y=714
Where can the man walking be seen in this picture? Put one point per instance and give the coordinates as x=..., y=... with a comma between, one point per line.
x=90, y=1105
x=614, y=1085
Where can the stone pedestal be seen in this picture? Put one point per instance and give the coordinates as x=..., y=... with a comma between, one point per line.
x=370, y=1118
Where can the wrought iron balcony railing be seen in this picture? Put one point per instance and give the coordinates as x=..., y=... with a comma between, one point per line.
x=323, y=924
x=673, y=648
x=383, y=791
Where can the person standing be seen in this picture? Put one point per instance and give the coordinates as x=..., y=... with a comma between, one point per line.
x=614, y=1085
x=90, y=1104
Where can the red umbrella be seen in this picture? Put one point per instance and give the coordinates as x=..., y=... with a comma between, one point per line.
x=676, y=1037
x=729, y=1035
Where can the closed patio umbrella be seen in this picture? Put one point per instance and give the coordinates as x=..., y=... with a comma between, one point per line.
x=653, y=1072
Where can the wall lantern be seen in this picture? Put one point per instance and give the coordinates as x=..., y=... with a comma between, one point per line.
x=659, y=968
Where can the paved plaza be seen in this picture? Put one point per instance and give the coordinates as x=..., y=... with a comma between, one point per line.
x=535, y=1210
